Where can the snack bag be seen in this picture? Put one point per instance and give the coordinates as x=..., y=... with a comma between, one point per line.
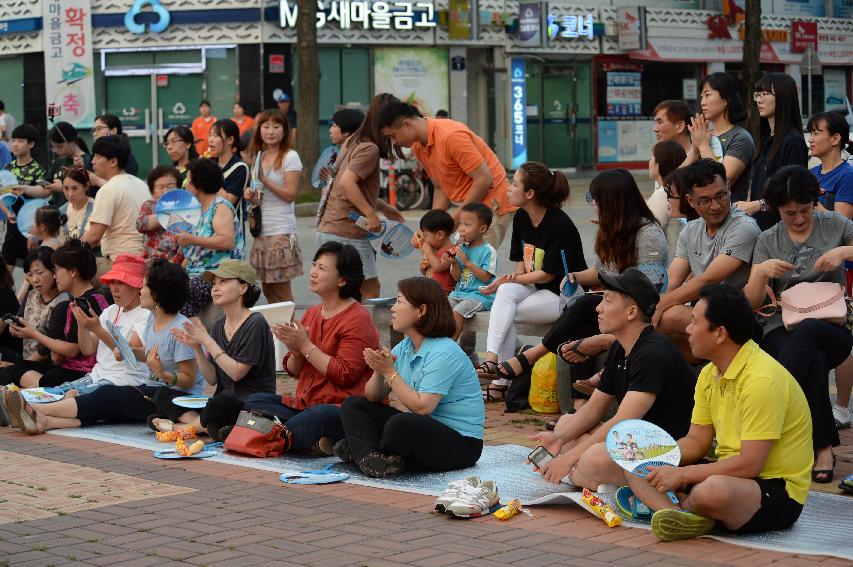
x=508, y=511
x=601, y=509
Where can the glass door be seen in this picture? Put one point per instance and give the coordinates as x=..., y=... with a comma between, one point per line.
x=177, y=104
x=129, y=98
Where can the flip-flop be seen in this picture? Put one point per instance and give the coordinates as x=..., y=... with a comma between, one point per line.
x=575, y=349
x=631, y=507
x=672, y=524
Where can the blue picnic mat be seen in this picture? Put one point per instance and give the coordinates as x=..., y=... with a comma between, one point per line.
x=824, y=528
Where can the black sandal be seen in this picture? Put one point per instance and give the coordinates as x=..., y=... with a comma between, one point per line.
x=487, y=370
x=575, y=349
x=826, y=474
x=492, y=389
x=508, y=371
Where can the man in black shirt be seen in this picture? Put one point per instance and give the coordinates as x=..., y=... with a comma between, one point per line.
x=645, y=375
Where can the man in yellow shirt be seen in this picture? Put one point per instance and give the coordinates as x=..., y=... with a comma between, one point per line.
x=762, y=423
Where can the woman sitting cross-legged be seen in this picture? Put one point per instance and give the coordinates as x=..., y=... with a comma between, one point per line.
x=237, y=356
x=325, y=352
x=432, y=377
x=172, y=365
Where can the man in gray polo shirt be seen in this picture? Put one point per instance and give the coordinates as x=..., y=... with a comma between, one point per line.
x=715, y=248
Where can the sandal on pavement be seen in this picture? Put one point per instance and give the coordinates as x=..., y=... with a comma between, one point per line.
x=824, y=476
x=671, y=524
x=575, y=348
x=18, y=414
x=631, y=507
x=495, y=393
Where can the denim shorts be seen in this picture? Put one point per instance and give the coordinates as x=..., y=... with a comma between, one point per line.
x=83, y=385
x=363, y=246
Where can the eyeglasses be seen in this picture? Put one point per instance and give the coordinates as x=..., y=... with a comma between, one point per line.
x=722, y=197
x=670, y=194
x=761, y=95
x=97, y=129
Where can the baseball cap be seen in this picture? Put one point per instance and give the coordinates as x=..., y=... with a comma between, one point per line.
x=127, y=269
x=633, y=283
x=231, y=269
x=280, y=96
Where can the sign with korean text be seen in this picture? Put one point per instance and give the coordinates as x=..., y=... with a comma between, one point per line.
x=530, y=24
x=803, y=35
x=624, y=93
x=570, y=26
x=419, y=76
x=69, y=79
x=352, y=14
x=632, y=28
x=518, y=111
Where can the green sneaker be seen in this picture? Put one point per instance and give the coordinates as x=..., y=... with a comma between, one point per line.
x=675, y=524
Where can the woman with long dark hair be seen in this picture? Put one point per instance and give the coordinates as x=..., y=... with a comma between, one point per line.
x=628, y=236
x=355, y=189
x=666, y=157
x=780, y=141
x=716, y=135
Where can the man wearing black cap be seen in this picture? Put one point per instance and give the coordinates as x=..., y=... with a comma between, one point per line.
x=645, y=375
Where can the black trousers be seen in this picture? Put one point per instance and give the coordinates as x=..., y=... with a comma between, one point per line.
x=578, y=321
x=118, y=404
x=220, y=411
x=51, y=374
x=809, y=352
x=422, y=441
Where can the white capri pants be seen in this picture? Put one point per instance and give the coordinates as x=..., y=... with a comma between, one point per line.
x=518, y=303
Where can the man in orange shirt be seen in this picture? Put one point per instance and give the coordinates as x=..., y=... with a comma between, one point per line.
x=462, y=166
x=201, y=127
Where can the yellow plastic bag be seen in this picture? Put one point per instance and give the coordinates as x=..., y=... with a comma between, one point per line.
x=543, y=385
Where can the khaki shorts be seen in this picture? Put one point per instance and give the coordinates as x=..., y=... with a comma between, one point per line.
x=498, y=230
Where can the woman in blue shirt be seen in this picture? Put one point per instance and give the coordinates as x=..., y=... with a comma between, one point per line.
x=430, y=375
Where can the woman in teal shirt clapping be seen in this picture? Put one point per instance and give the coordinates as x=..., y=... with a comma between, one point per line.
x=430, y=375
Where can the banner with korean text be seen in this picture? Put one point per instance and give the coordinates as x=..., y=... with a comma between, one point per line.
x=518, y=111
x=68, y=69
x=416, y=75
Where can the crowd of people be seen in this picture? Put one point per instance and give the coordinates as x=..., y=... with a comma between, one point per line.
x=736, y=224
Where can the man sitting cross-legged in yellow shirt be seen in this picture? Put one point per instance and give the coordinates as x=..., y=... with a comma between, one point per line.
x=762, y=423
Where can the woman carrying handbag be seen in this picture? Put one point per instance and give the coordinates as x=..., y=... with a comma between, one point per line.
x=807, y=335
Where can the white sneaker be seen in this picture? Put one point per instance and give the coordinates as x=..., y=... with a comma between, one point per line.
x=475, y=501
x=841, y=415
x=454, y=490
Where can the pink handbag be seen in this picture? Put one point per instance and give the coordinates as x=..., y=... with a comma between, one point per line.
x=813, y=300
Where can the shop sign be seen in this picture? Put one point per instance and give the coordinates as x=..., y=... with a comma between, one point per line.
x=518, y=111
x=22, y=25
x=570, y=27
x=161, y=23
x=69, y=81
x=632, y=28
x=624, y=93
x=162, y=81
x=276, y=63
x=460, y=19
x=401, y=15
x=530, y=24
x=803, y=36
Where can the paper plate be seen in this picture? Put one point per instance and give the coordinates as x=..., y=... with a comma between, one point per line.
x=8, y=200
x=325, y=160
x=7, y=178
x=27, y=214
x=172, y=454
x=635, y=445
x=191, y=402
x=122, y=345
x=41, y=396
x=657, y=275
x=178, y=211
x=320, y=476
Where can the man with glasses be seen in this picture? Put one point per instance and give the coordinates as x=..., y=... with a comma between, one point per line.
x=715, y=248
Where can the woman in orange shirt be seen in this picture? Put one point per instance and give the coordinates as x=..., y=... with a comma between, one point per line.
x=244, y=123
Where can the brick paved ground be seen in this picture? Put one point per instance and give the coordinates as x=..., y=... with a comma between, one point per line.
x=167, y=513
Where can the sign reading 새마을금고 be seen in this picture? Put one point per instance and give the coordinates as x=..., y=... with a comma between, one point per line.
x=416, y=75
x=69, y=80
x=518, y=111
x=351, y=14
